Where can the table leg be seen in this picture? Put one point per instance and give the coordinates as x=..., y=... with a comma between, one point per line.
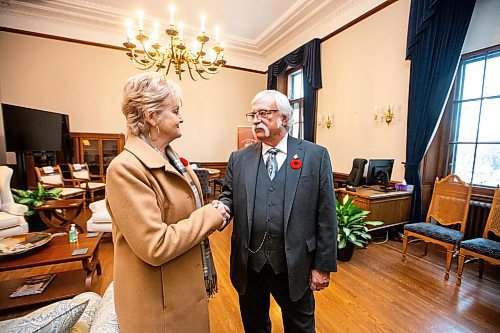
x=90, y=267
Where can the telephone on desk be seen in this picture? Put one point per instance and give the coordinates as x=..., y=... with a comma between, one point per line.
x=384, y=188
x=350, y=188
x=380, y=188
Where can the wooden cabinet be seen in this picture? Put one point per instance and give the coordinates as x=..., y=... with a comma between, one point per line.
x=392, y=208
x=97, y=150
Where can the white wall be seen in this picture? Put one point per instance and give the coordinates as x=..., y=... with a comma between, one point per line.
x=86, y=83
x=484, y=28
x=362, y=67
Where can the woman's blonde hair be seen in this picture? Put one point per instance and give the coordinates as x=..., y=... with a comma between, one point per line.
x=146, y=92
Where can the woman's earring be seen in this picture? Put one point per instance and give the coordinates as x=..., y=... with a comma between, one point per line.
x=157, y=136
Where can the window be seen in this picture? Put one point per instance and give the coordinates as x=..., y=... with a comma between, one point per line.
x=474, y=145
x=296, y=97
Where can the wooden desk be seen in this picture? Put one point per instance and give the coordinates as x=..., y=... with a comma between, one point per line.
x=392, y=208
x=65, y=284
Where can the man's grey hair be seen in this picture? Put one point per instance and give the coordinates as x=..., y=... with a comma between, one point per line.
x=281, y=100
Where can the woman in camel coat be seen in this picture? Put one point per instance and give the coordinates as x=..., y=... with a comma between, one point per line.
x=155, y=203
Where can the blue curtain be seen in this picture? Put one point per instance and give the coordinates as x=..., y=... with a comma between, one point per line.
x=436, y=33
x=309, y=57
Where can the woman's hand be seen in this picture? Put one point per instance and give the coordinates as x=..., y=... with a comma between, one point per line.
x=224, y=211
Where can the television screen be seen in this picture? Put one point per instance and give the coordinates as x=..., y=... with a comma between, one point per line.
x=379, y=171
x=31, y=130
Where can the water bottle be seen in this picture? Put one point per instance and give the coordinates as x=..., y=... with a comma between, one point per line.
x=73, y=234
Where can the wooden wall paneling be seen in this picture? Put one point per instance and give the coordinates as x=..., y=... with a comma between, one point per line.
x=435, y=161
x=216, y=165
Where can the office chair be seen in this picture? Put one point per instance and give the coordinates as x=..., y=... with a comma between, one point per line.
x=358, y=168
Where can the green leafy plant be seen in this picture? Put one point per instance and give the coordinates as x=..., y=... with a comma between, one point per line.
x=351, y=223
x=34, y=198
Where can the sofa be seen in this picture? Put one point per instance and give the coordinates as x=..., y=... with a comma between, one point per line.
x=12, y=220
x=100, y=221
x=86, y=312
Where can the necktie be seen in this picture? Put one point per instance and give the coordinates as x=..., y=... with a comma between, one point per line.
x=272, y=164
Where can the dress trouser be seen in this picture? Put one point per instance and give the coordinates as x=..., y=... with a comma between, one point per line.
x=298, y=316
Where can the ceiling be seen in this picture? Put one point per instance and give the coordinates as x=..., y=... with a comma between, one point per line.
x=253, y=31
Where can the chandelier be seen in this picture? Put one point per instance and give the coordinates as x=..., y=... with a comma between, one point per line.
x=176, y=54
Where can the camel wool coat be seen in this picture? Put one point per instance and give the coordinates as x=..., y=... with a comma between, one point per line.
x=157, y=231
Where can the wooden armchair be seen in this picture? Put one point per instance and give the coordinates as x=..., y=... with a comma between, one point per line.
x=82, y=178
x=51, y=176
x=449, y=206
x=483, y=248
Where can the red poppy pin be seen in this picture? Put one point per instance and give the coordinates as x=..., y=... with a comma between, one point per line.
x=296, y=163
x=184, y=161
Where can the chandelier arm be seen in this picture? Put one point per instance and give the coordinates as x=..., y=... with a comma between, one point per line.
x=204, y=78
x=140, y=65
x=160, y=64
x=168, y=67
x=144, y=49
x=190, y=72
x=200, y=51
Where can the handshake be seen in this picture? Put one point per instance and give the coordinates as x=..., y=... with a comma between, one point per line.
x=223, y=210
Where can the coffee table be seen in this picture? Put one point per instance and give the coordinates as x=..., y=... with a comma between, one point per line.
x=65, y=284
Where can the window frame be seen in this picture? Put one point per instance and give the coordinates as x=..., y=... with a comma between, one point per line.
x=284, y=86
x=455, y=100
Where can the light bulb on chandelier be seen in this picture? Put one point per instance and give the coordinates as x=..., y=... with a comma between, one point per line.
x=177, y=53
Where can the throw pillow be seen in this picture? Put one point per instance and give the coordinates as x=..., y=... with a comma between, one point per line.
x=58, y=317
x=85, y=321
x=105, y=320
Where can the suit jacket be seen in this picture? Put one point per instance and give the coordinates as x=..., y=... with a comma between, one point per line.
x=158, y=271
x=310, y=219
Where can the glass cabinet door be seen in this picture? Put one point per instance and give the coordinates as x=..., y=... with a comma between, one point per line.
x=109, y=151
x=90, y=152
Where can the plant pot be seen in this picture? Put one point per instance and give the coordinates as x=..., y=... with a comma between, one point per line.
x=345, y=254
x=35, y=223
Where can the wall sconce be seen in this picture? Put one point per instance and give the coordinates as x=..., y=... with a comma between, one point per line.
x=386, y=114
x=328, y=122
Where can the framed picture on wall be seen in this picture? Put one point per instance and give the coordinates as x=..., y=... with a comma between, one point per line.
x=245, y=136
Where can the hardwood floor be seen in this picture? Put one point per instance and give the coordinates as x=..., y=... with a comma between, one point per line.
x=375, y=292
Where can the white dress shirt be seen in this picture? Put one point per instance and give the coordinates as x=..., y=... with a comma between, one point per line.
x=280, y=156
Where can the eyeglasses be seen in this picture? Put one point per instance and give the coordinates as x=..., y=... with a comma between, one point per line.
x=259, y=114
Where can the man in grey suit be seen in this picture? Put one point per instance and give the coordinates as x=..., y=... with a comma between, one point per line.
x=280, y=193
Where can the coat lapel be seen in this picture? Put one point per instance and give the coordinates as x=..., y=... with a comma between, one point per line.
x=292, y=175
x=153, y=160
x=251, y=163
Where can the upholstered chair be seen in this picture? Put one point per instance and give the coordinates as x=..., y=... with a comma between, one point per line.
x=204, y=178
x=100, y=221
x=12, y=220
x=449, y=207
x=485, y=248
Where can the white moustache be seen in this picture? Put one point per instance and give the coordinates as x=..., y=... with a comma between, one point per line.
x=262, y=126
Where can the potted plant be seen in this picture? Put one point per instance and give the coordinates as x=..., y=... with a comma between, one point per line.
x=32, y=199
x=352, y=228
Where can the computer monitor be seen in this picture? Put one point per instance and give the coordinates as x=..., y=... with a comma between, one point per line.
x=379, y=172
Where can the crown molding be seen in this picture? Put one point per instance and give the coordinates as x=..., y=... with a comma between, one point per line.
x=93, y=22
x=320, y=22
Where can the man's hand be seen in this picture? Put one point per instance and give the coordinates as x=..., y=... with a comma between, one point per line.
x=224, y=210
x=318, y=280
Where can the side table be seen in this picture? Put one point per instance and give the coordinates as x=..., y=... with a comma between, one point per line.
x=59, y=214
